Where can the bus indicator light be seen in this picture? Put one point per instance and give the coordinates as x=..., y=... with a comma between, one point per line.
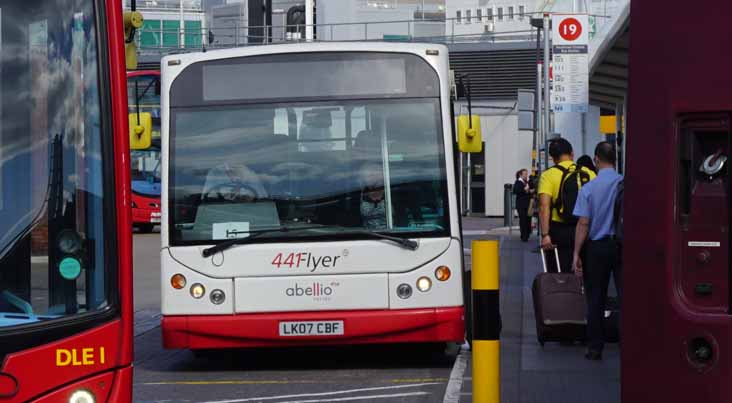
x=178, y=281
x=442, y=273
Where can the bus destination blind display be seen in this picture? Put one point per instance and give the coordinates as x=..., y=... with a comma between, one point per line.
x=304, y=79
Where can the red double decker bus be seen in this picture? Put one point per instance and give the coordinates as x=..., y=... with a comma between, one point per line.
x=65, y=245
x=677, y=299
x=143, y=96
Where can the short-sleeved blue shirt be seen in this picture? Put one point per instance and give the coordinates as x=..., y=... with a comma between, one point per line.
x=596, y=201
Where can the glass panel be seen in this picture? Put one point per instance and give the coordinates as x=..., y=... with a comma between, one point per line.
x=144, y=88
x=145, y=166
x=52, y=257
x=193, y=33
x=171, y=33
x=150, y=36
x=346, y=165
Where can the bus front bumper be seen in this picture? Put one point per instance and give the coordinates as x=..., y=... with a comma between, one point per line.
x=426, y=325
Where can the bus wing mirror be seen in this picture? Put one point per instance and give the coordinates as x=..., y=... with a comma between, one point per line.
x=157, y=87
x=140, y=130
x=470, y=139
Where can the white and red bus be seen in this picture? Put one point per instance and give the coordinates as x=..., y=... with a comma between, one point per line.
x=65, y=248
x=309, y=197
x=143, y=96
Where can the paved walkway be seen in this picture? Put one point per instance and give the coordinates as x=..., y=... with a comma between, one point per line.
x=530, y=373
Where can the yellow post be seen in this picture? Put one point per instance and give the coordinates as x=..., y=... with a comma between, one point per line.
x=486, y=322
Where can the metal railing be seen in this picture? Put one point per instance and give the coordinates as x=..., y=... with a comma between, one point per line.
x=416, y=30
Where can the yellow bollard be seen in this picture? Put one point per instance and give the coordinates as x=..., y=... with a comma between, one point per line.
x=486, y=323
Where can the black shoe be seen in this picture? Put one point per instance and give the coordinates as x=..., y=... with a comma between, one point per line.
x=593, y=355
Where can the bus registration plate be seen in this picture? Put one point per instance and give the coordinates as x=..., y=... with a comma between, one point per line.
x=155, y=218
x=319, y=328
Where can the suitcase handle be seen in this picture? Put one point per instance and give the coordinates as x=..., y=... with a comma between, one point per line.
x=556, y=257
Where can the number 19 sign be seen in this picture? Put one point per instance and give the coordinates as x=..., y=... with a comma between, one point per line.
x=570, y=37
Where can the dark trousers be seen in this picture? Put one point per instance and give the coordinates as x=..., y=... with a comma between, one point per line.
x=602, y=260
x=563, y=237
x=524, y=222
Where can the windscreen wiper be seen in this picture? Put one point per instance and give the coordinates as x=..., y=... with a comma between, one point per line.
x=403, y=242
x=220, y=247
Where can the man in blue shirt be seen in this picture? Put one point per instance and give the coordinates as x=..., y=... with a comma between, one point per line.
x=595, y=208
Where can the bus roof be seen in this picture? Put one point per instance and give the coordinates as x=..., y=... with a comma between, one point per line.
x=419, y=49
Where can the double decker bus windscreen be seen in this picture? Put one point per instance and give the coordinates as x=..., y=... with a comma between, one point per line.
x=53, y=260
x=328, y=166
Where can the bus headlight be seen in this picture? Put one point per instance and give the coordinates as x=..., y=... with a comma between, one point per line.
x=424, y=284
x=404, y=291
x=443, y=273
x=198, y=290
x=82, y=396
x=178, y=281
x=217, y=297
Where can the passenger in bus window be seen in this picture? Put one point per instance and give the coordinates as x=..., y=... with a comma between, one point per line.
x=373, y=203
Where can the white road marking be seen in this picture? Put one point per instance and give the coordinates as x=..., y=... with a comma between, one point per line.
x=340, y=392
x=369, y=397
x=475, y=232
x=455, y=385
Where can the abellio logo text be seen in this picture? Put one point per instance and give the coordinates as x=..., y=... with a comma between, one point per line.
x=316, y=290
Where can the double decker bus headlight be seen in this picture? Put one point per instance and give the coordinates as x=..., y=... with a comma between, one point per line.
x=404, y=291
x=424, y=284
x=443, y=273
x=198, y=290
x=217, y=297
x=82, y=396
x=178, y=281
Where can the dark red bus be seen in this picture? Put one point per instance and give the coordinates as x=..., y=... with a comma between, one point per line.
x=65, y=246
x=143, y=95
x=677, y=323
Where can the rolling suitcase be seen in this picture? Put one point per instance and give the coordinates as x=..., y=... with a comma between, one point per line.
x=559, y=305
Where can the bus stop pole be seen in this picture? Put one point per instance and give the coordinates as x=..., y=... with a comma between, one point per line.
x=486, y=320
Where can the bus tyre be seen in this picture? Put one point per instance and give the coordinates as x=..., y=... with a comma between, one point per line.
x=146, y=228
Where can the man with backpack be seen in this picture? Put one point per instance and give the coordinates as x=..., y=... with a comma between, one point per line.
x=599, y=208
x=559, y=187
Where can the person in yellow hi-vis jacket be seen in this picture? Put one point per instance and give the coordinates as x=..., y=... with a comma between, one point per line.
x=558, y=191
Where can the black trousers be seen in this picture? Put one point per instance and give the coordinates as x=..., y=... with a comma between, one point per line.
x=524, y=222
x=602, y=260
x=563, y=237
